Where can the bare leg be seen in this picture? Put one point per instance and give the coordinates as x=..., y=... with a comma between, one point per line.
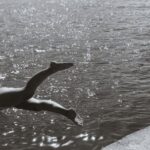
x=10, y=96
x=14, y=96
x=49, y=105
x=37, y=79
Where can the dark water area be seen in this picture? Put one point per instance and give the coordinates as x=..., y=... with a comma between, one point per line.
x=109, y=85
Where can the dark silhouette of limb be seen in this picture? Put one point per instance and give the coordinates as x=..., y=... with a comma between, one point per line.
x=21, y=97
x=37, y=79
x=10, y=97
x=49, y=105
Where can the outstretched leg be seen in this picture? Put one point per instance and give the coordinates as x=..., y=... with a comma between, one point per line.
x=14, y=96
x=49, y=105
x=37, y=79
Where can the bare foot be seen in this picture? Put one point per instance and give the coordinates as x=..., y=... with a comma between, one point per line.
x=72, y=115
x=60, y=66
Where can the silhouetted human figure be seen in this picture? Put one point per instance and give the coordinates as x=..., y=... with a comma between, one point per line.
x=22, y=98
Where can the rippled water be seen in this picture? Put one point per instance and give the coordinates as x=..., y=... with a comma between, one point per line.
x=109, y=85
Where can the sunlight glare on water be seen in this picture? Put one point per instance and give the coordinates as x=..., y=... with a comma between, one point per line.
x=108, y=42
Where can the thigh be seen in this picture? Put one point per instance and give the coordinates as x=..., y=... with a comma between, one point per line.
x=28, y=106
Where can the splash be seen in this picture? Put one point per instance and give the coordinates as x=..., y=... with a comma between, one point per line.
x=79, y=120
x=3, y=76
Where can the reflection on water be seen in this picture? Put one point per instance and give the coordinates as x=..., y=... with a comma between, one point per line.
x=86, y=137
x=46, y=141
x=7, y=133
x=2, y=76
x=109, y=85
x=24, y=132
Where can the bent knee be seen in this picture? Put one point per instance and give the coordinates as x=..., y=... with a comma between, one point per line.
x=28, y=94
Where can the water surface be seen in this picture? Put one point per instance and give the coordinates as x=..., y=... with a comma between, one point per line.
x=109, y=85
